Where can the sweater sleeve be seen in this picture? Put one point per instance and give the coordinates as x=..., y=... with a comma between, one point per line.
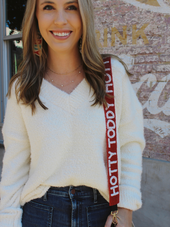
x=132, y=143
x=15, y=164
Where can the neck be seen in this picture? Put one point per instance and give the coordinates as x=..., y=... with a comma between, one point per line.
x=63, y=62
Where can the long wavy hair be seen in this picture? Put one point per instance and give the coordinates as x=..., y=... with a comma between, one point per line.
x=31, y=71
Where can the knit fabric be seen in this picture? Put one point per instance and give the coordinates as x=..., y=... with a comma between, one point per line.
x=66, y=145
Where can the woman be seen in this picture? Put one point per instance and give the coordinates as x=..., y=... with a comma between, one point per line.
x=54, y=168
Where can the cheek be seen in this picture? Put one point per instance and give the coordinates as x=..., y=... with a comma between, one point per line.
x=78, y=23
x=44, y=22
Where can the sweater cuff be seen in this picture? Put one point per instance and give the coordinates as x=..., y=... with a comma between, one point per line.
x=130, y=198
x=10, y=220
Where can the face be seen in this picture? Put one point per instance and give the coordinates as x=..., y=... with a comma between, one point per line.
x=59, y=23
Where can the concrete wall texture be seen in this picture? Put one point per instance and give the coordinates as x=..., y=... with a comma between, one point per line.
x=155, y=211
x=138, y=31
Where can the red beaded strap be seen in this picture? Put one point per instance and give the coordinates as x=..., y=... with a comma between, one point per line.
x=111, y=136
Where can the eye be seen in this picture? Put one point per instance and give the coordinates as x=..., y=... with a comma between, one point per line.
x=48, y=7
x=72, y=7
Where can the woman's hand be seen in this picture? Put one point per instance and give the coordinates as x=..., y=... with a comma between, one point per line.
x=125, y=218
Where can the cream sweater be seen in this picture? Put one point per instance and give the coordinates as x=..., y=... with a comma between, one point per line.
x=66, y=145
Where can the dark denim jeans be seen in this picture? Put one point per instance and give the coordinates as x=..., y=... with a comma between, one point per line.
x=67, y=207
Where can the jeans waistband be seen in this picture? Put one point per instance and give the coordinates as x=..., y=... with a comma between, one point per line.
x=68, y=190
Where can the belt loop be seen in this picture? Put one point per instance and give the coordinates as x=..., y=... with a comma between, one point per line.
x=45, y=196
x=95, y=195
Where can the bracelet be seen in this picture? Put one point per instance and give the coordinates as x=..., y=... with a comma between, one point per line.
x=115, y=217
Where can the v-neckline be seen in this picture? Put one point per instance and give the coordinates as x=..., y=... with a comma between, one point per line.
x=69, y=102
x=69, y=94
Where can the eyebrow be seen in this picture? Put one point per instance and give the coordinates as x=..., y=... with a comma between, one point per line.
x=71, y=2
x=53, y=2
x=47, y=2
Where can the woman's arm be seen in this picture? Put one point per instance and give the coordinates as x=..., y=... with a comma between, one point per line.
x=15, y=164
x=132, y=143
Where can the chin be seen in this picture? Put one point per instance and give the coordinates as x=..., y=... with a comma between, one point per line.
x=64, y=48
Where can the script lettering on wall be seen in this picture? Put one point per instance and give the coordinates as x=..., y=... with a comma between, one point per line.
x=160, y=6
x=149, y=2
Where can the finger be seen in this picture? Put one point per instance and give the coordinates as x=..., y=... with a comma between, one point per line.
x=108, y=221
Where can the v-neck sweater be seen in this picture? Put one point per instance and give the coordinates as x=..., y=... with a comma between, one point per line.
x=66, y=145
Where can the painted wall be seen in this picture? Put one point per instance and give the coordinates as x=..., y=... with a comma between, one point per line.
x=138, y=31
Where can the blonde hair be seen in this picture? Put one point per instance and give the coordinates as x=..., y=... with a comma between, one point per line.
x=31, y=71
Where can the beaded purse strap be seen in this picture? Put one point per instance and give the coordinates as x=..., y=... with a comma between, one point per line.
x=111, y=136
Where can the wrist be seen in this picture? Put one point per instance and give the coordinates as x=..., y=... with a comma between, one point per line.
x=125, y=209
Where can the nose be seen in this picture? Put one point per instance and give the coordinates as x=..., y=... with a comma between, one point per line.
x=60, y=18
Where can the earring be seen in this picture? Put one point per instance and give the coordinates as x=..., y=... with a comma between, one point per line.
x=80, y=45
x=38, y=45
